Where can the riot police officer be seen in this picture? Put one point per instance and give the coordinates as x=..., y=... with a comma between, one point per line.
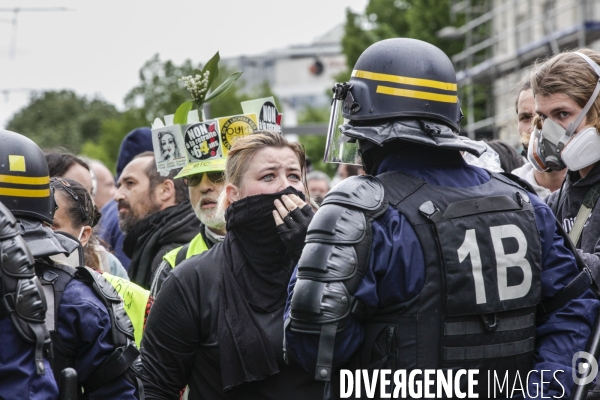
x=25, y=339
x=429, y=263
x=90, y=332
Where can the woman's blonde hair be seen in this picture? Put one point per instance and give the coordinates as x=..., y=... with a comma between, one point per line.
x=241, y=154
x=570, y=74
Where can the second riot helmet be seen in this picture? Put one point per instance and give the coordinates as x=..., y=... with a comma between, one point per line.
x=24, y=180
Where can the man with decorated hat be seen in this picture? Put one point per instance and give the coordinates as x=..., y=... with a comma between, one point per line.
x=205, y=181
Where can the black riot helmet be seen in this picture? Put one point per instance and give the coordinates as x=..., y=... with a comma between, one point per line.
x=400, y=89
x=404, y=78
x=24, y=180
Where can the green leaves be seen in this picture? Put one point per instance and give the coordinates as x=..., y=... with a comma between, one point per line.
x=212, y=66
x=181, y=114
x=223, y=88
x=199, y=84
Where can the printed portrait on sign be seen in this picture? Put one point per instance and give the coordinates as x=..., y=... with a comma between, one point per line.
x=168, y=148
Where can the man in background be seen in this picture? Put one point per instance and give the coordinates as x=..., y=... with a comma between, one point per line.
x=155, y=215
x=318, y=185
x=205, y=184
x=137, y=141
x=105, y=183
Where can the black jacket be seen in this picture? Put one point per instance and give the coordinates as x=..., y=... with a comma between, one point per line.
x=565, y=204
x=180, y=344
x=155, y=236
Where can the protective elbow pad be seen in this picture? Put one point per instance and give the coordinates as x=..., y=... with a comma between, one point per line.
x=23, y=300
x=336, y=254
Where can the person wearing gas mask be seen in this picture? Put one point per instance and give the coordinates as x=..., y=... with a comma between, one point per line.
x=543, y=181
x=566, y=89
x=428, y=263
x=89, y=330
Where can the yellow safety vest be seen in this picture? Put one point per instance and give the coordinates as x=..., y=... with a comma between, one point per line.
x=196, y=246
x=135, y=300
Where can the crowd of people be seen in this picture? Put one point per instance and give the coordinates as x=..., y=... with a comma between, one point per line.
x=253, y=276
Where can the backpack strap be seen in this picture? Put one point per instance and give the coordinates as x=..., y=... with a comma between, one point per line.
x=589, y=201
x=181, y=255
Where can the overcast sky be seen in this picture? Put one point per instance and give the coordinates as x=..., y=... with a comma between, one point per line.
x=97, y=47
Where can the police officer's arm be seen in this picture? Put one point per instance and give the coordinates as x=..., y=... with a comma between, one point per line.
x=85, y=326
x=564, y=332
x=171, y=339
x=395, y=274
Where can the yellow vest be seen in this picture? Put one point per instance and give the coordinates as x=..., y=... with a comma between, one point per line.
x=196, y=246
x=135, y=300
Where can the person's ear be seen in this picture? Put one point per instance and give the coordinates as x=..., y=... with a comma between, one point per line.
x=86, y=234
x=165, y=191
x=232, y=194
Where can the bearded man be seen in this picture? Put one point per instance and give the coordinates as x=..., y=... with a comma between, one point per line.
x=205, y=181
x=155, y=215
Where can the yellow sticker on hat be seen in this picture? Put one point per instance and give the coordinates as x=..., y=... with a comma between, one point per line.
x=16, y=163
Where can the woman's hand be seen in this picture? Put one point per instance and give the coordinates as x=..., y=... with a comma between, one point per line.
x=292, y=218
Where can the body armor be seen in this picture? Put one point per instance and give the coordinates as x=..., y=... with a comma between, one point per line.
x=22, y=297
x=482, y=279
x=55, y=278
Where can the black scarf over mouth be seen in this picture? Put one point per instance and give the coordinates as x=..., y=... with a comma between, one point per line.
x=255, y=279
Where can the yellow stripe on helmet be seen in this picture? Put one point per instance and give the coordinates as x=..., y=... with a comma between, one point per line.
x=24, y=192
x=25, y=180
x=416, y=94
x=405, y=80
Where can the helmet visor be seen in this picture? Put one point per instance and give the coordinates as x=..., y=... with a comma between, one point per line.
x=340, y=148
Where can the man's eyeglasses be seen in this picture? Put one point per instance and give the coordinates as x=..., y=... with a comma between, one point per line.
x=214, y=177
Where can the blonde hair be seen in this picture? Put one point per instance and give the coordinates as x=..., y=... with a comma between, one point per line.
x=241, y=153
x=571, y=75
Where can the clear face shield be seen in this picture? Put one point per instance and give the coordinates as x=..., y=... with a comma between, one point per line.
x=341, y=148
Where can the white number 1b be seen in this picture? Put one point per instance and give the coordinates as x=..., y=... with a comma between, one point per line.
x=503, y=262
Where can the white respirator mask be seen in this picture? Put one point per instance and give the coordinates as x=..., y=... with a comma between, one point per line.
x=554, y=147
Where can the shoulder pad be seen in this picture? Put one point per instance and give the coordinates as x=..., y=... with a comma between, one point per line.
x=104, y=287
x=514, y=180
x=42, y=241
x=364, y=192
x=122, y=328
x=8, y=223
x=334, y=223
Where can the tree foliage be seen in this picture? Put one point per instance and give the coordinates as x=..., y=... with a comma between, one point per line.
x=106, y=148
x=229, y=104
x=62, y=118
x=159, y=91
x=96, y=128
x=385, y=19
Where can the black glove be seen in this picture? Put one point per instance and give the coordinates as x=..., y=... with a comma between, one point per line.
x=293, y=230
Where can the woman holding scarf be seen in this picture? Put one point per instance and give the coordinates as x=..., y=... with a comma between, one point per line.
x=217, y=325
